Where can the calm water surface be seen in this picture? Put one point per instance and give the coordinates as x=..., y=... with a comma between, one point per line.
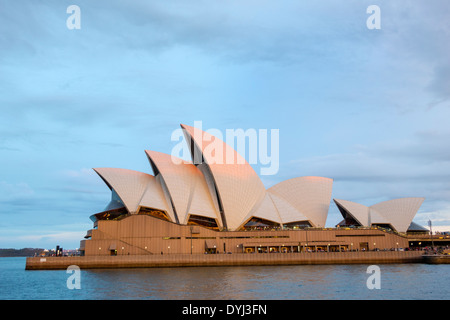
x=344, y=282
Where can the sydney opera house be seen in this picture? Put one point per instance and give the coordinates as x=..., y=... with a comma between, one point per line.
x=211, y=206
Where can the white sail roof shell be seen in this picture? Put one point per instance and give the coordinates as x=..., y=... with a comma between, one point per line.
x=310, y=196
x=222, y=186
x=399, y=212
x=186, y=185
x=375, y=217
x=131, y=186
x=286, y=211
x=266, y=210
x=396, y=212
x=358, y=211
x=155, y=198
x=239, y=187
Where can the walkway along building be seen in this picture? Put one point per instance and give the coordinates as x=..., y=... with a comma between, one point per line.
x=210, y=206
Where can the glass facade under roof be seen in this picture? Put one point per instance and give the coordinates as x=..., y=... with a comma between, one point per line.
x=110, y=214
x=160, y=214
x=297, y=225
x=203, y=221
x=260, y=224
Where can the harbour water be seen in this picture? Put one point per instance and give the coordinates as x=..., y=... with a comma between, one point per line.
x=303, y=282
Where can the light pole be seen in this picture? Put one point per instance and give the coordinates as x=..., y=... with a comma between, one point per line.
x=191, y=238
x=431, y=234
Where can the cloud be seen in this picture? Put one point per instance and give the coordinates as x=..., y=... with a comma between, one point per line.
x=83, y=175
x=416, y=167
x=15, y=191
x=371, y=105
x=235, y=32
x=44, y=238
x=440, y=84
x=422, y=155
x=52, y=237
x=424, y=146
x=416, y=44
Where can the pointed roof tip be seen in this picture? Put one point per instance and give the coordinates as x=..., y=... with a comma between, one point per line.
x=157, y=156
x=342, y=200
x=192, y=129
x=97, y=170
x=189, y=129
x=151, y=154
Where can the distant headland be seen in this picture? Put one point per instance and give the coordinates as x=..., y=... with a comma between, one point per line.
x=24, y=252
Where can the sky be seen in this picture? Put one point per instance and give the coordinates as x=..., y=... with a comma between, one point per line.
x=369, y=108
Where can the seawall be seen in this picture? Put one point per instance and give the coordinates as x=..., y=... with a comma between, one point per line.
x=202, y=260
x=437, y=259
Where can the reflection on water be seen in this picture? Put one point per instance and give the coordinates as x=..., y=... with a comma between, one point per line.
x=407, y=281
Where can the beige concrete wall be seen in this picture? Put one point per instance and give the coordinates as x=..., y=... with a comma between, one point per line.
x=145, y=235
x=181, y=260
